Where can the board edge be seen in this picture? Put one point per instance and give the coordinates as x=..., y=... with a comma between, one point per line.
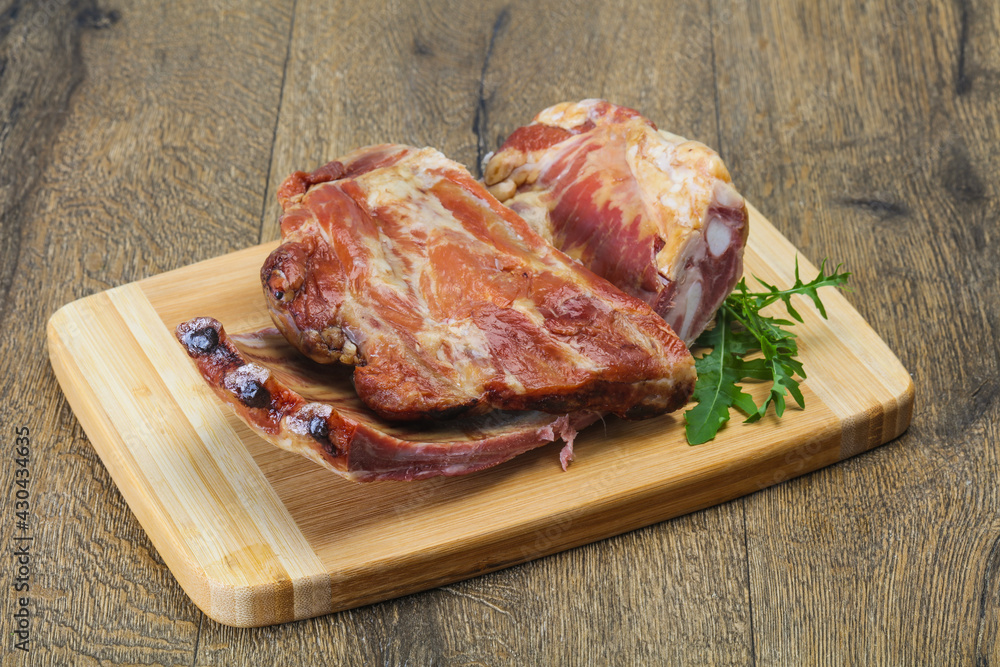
x=254, y=604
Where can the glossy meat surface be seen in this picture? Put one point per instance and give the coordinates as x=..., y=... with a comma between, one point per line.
x=396, y=261
x=653, y=213
x=313, y=411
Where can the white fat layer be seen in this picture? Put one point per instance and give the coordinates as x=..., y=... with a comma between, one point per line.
x=726, y=195
x=690, y=310
x=671, y=137
x=513, y=383
x=461, y=345
x=663, y=157
x=531, y=208
x=566, y=114
x=355, y=335
x=718, y=237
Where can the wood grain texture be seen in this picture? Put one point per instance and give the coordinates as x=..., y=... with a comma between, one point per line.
x=874, y=142
x=866, y=131
x=360, y=74
x=117, y=164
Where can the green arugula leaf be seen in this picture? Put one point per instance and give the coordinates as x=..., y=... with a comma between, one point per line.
x=716, y=389
x=739, y=335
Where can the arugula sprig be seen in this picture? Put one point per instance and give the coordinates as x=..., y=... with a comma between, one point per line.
x=740, y=332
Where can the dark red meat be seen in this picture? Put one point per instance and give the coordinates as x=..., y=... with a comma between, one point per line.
x=649, y=211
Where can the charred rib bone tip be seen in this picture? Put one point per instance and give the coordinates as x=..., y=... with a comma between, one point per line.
x=246, y=383
x=320, y=432
x=253, y=394
x=201, y=341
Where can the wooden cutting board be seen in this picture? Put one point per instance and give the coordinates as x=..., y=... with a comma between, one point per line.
x=258, y=536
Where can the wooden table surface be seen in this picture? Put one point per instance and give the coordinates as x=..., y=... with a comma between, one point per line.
x=139, y=136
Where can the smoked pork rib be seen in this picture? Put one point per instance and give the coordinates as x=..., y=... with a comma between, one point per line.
x=395, y=260
x=313, y=411
x=653, y=213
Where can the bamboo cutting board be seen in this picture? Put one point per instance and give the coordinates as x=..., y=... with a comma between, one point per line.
x=258, y=536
